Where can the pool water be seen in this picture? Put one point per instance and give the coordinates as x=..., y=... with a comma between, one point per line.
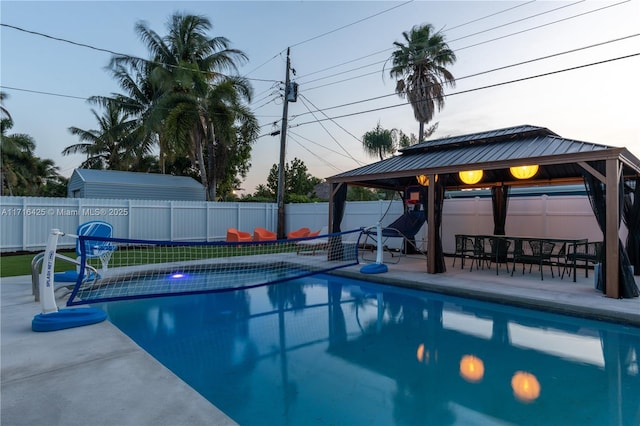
x=326, y=350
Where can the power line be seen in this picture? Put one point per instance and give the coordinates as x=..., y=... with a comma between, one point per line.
x=368, y=99
x=491, y=15
x=320, y=145
x=43, y=93
x=469, y=46
x=544, y=25
x=390, y=48
x=486, y=71
x=124, y=55
x=329, y=133
x=334, y=122
x=40, y=92
x=351, y=24
x=273, y=99
x=325, y=34
x=274, y=92
x=263, y=64
x=517, y=21
x=478, y=88
x=315, y=155
x=307, y=89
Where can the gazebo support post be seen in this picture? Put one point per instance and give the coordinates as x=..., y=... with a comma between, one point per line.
x=612, y=285
x=431, y=225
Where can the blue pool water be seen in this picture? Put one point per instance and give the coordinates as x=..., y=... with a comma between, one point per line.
x=327, y=350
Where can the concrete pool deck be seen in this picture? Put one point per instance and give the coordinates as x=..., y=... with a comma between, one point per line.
x=96, y=375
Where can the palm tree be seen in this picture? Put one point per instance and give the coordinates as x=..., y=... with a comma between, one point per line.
x=138, y=103
x=187, y=67
x=22, y=173
x=111, y=146
x=419, y=67
x=232, y=130
x=4, y=113
x=17, y=161
x=380, y=142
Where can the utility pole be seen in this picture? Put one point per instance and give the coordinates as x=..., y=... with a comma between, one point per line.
x=283, y=146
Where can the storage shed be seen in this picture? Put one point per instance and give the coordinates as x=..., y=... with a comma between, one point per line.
x=88, y=183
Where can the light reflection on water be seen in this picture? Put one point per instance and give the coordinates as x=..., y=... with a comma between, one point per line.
x=330, y=350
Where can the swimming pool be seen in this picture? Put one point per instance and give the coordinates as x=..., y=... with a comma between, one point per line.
x=332, y=350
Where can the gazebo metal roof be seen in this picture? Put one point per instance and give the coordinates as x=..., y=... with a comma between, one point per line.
x=493, y=152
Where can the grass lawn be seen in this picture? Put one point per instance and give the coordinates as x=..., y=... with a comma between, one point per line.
x=20, y=264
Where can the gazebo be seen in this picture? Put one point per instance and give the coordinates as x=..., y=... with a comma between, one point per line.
x=500, y=159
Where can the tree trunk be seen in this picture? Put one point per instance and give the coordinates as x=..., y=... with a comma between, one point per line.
x=201, y=166
x=421, y=132
x=211, y=183
x=161, y=154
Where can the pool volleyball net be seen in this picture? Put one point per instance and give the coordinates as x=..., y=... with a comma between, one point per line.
x=112, y=269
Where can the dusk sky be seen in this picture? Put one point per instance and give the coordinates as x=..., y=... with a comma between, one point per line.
x=569, y=66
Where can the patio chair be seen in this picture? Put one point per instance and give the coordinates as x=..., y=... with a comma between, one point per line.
x=500, y=251
x=235, y=236
x=481, y=253
x=405, y=227
x=560, y=260
x=261, y=234
x=299, y=233
x=535, y=251
x=464, y=249
x=590, y=252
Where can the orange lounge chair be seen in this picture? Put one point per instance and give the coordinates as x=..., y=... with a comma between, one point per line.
x=299, y=233
x=261, y=234
x=313, y=245
x=235, y=236
x=315, y=234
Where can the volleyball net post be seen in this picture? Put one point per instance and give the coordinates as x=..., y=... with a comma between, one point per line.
x=51, y=318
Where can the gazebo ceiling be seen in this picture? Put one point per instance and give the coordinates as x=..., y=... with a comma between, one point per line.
x=493, y=152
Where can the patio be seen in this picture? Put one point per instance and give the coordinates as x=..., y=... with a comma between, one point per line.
x=69, y=376
x=551, y=294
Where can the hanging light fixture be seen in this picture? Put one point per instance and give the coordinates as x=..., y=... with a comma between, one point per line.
x=524, y=172
x=470, y=176
x=525, y=386
x=471, y=368
x=424, y=179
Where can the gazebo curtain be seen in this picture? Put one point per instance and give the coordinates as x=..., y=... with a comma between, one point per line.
x=596, y=191
x=339, y=201
x=500, y=203
x=631, y=217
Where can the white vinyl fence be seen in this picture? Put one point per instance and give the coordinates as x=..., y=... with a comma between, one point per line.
x=26, y=221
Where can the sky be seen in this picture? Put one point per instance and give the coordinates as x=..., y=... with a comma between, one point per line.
x=569, y=66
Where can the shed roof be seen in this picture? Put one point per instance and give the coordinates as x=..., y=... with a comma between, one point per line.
x=493, y=152
x=136, y=178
